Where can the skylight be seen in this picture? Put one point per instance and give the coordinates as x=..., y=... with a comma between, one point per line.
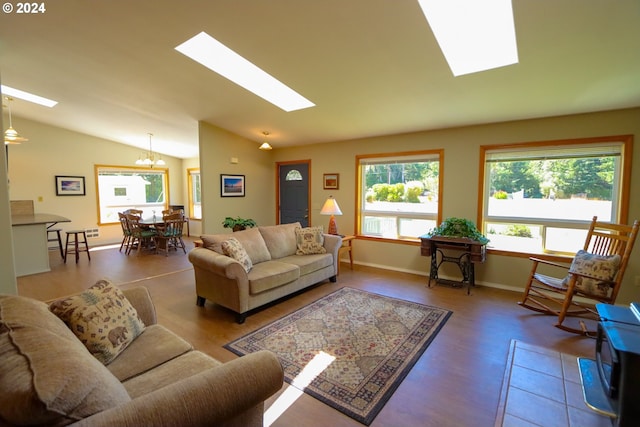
x=217, y=57
x=17, y=93
x=473, y=35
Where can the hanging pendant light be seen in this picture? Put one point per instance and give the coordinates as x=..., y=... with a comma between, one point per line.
x=265, y=145
x=147, y=159
x=11, y=136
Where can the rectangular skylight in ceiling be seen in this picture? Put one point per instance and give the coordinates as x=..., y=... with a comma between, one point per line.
x=217, y=57
x=473, y=35
x=17, y=93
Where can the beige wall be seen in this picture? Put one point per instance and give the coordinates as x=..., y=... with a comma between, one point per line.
x=53, y=151
x=217, y=147
x=460, y=195
x=8, y=284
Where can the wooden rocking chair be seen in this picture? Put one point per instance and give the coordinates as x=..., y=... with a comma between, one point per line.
x=595, y=276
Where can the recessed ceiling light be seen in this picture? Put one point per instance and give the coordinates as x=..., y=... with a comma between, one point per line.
x=217, y=57
x=17, y=93
x=473, y=35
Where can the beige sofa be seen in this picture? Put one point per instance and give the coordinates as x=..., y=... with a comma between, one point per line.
x=276, y=268
x=48, y=377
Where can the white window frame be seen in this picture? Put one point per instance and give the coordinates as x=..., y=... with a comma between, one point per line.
x=195, y=205
x=114, y=206
x=394, y=215
x=622, y=144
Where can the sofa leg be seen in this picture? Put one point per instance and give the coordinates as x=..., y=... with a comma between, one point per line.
x=241, y=317
x=333, y=279
x=200, y=301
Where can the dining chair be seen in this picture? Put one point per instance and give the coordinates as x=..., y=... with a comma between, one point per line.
x=169, y=233
x=140, y=236
x=594, y=276
x=126, y=233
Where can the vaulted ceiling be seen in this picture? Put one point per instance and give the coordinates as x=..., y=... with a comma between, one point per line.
x=372, y=67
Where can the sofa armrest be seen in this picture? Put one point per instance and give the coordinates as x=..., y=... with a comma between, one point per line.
x=141, y=300
x=219, y=264
x=332, y=244
x=220, y=396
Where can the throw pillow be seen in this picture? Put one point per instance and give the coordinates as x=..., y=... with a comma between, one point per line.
x=600, y=269
x=47, y=377
x=234, y=249
x=102, y=318
x=310, y=240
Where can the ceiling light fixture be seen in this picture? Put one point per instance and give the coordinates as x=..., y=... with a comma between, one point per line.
x=148, y=159
x=17, y=93
x=473, y=35
x=11, y=136
x=265, y=145
x=209, y=52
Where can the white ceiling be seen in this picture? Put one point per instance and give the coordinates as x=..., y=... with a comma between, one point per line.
x=372, y=67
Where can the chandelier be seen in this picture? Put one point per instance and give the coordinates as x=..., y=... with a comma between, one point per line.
x=148, y=158
x=11, y=136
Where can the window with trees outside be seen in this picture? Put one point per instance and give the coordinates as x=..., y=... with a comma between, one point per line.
x=399, y=194
x=121, y=188
x=540, y=197
x=195, y=202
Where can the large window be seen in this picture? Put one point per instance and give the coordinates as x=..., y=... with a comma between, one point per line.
x=540, y=197
x=121, y=188
x=399, y=194
x=195, y=201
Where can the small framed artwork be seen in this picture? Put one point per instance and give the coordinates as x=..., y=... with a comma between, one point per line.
x=231, y=185
x=69, y=185
x=331, y=181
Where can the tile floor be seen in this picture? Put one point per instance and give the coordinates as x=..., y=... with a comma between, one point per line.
x=542, y=388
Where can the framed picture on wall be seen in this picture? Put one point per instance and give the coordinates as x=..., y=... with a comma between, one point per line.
x=231, y=185
x=69, y=185
x=331, y=181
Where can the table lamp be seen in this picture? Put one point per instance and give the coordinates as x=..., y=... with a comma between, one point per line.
x=331, y=207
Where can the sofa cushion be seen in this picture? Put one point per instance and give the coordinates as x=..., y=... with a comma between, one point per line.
x=280, y=239
x=271, y=274
x=102, y=318
x=250, y=239
x=309, y=263
x=310, y=240
x=233, y=249
x=174, y=370
x=152, y=348
x=46, y=375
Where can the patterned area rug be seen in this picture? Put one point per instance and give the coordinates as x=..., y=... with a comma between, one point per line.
x=368, y=343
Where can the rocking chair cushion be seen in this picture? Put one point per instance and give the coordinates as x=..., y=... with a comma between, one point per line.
x=600, y=270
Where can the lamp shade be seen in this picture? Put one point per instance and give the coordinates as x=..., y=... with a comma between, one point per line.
x=330, y=207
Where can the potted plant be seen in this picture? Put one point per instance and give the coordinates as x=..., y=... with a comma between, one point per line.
x=460, y=228
x=237, y=224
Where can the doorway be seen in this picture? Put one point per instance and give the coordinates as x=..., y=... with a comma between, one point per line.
x=293, y=192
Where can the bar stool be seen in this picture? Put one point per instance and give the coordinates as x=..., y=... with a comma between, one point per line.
x=56, y=238
x=76, y=249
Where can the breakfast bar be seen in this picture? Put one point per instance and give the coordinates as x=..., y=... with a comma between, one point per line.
x=30, y=251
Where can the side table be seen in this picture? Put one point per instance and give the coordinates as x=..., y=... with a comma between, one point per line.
x=347, y=246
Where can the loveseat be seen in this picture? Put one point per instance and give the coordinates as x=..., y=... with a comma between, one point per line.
x=250, y=268
x=51, y=375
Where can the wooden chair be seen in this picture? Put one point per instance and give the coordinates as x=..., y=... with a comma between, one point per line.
x=126, y=233
x=140, y=236
x=592, y=276
x=169, y=234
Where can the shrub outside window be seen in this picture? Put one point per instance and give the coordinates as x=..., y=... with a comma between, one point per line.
x=121, y=188
x=539, y=197
x=399, y=194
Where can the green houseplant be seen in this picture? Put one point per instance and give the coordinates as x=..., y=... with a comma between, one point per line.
x=458, y=227
x=237, y=224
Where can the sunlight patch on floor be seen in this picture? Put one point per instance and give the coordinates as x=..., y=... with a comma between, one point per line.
x=319, y=363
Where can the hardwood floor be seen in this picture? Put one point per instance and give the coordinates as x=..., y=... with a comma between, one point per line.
x=456, y=382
